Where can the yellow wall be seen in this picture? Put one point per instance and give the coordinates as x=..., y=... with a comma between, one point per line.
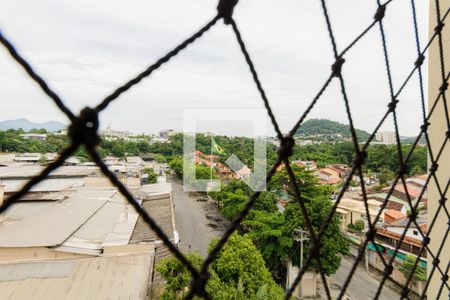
x=437, y=136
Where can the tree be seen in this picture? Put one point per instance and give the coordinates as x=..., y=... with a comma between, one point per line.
x=176, y=164
x=233, y=203
x=407, y=266
x=269, y=232
x=240, y=260
x=385, y=176
x=318, y=204
x=160, y=158
x=238, y=272
x=357, y=227
x=151, y=176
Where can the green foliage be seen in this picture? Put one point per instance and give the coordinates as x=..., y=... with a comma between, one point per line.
x=269, y=232
x=240, y=260
x=233, y=202
x=327, y=127
x=160, y=158
x=317, y=201
x=356, y=227
x=237, y=273
x=419, y=273
x=152, y=178
x=379, y=157
x=385, y=176
x=272, y=232
x=176, y=164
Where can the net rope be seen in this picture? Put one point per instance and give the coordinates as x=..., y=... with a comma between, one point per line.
x=83, y=132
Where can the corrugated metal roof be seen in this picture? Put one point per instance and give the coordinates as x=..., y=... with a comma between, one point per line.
x=47, y=185
x=105, y=225
x=157, y=188
x=161, y=211
x=53, y=225
x=107, y=277
x=26, y=171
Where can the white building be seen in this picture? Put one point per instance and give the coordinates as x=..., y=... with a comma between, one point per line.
x=386, y=137
x=34, y=136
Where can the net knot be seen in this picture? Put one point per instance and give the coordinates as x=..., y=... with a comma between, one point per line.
x=401, y=171
x=424, y=126
x=439, y=27
x=84, y=128
x=286, y=146
x=379, y=15
x=359, y=158
x=370, y=235
x=225, y=9
x=436, y=261
x=393, y=104
x=199, y=283
x=388, y=270
x=426, y=240
x=442, y=200
x=405, y=293
x=443, y=87
x=413, y=215
x=434, y=167
x=419, y=60
x=444, y=278
x=336, y=68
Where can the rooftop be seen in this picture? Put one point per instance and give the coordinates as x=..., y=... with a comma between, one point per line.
x=106, y=277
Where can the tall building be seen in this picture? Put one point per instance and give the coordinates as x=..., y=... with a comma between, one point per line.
x=386, y=137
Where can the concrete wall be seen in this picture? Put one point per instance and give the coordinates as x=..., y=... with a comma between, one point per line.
x=437, y=132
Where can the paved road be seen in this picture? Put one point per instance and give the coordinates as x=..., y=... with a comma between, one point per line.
x=363, y=285
x=191, y=225
x=190, y=221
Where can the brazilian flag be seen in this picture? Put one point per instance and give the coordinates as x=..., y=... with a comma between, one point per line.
x=216, y=149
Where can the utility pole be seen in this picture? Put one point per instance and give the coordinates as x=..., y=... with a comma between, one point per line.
x=300, y=235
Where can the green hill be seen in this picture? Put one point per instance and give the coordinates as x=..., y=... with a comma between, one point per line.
x=328, y=129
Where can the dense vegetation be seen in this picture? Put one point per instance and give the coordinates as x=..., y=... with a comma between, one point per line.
x=238, y=273
x=379, y=157
x=273, y=231
x=326, y=127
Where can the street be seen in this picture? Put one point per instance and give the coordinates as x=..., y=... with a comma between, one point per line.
x=191, y=222
x=363, y=285
x=195, y=235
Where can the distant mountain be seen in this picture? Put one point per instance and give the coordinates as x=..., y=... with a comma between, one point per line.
x=329, y=129
x=412, y=139
x=27, y=125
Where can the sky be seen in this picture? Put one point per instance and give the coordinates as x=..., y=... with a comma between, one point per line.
x=85, y=49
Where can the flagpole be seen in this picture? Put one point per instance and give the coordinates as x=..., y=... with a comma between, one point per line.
x=210, y=164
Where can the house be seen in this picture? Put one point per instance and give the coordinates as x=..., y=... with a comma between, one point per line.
x=328, y=176
x=28, y=157
x=392, y=203
x=34, y=136
x=389, y=235
x=341, y=169
x=350, y=211
x=135, y=161
x=111, y=160
x=307, y=164
x=392, y=216
x=243, y=173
